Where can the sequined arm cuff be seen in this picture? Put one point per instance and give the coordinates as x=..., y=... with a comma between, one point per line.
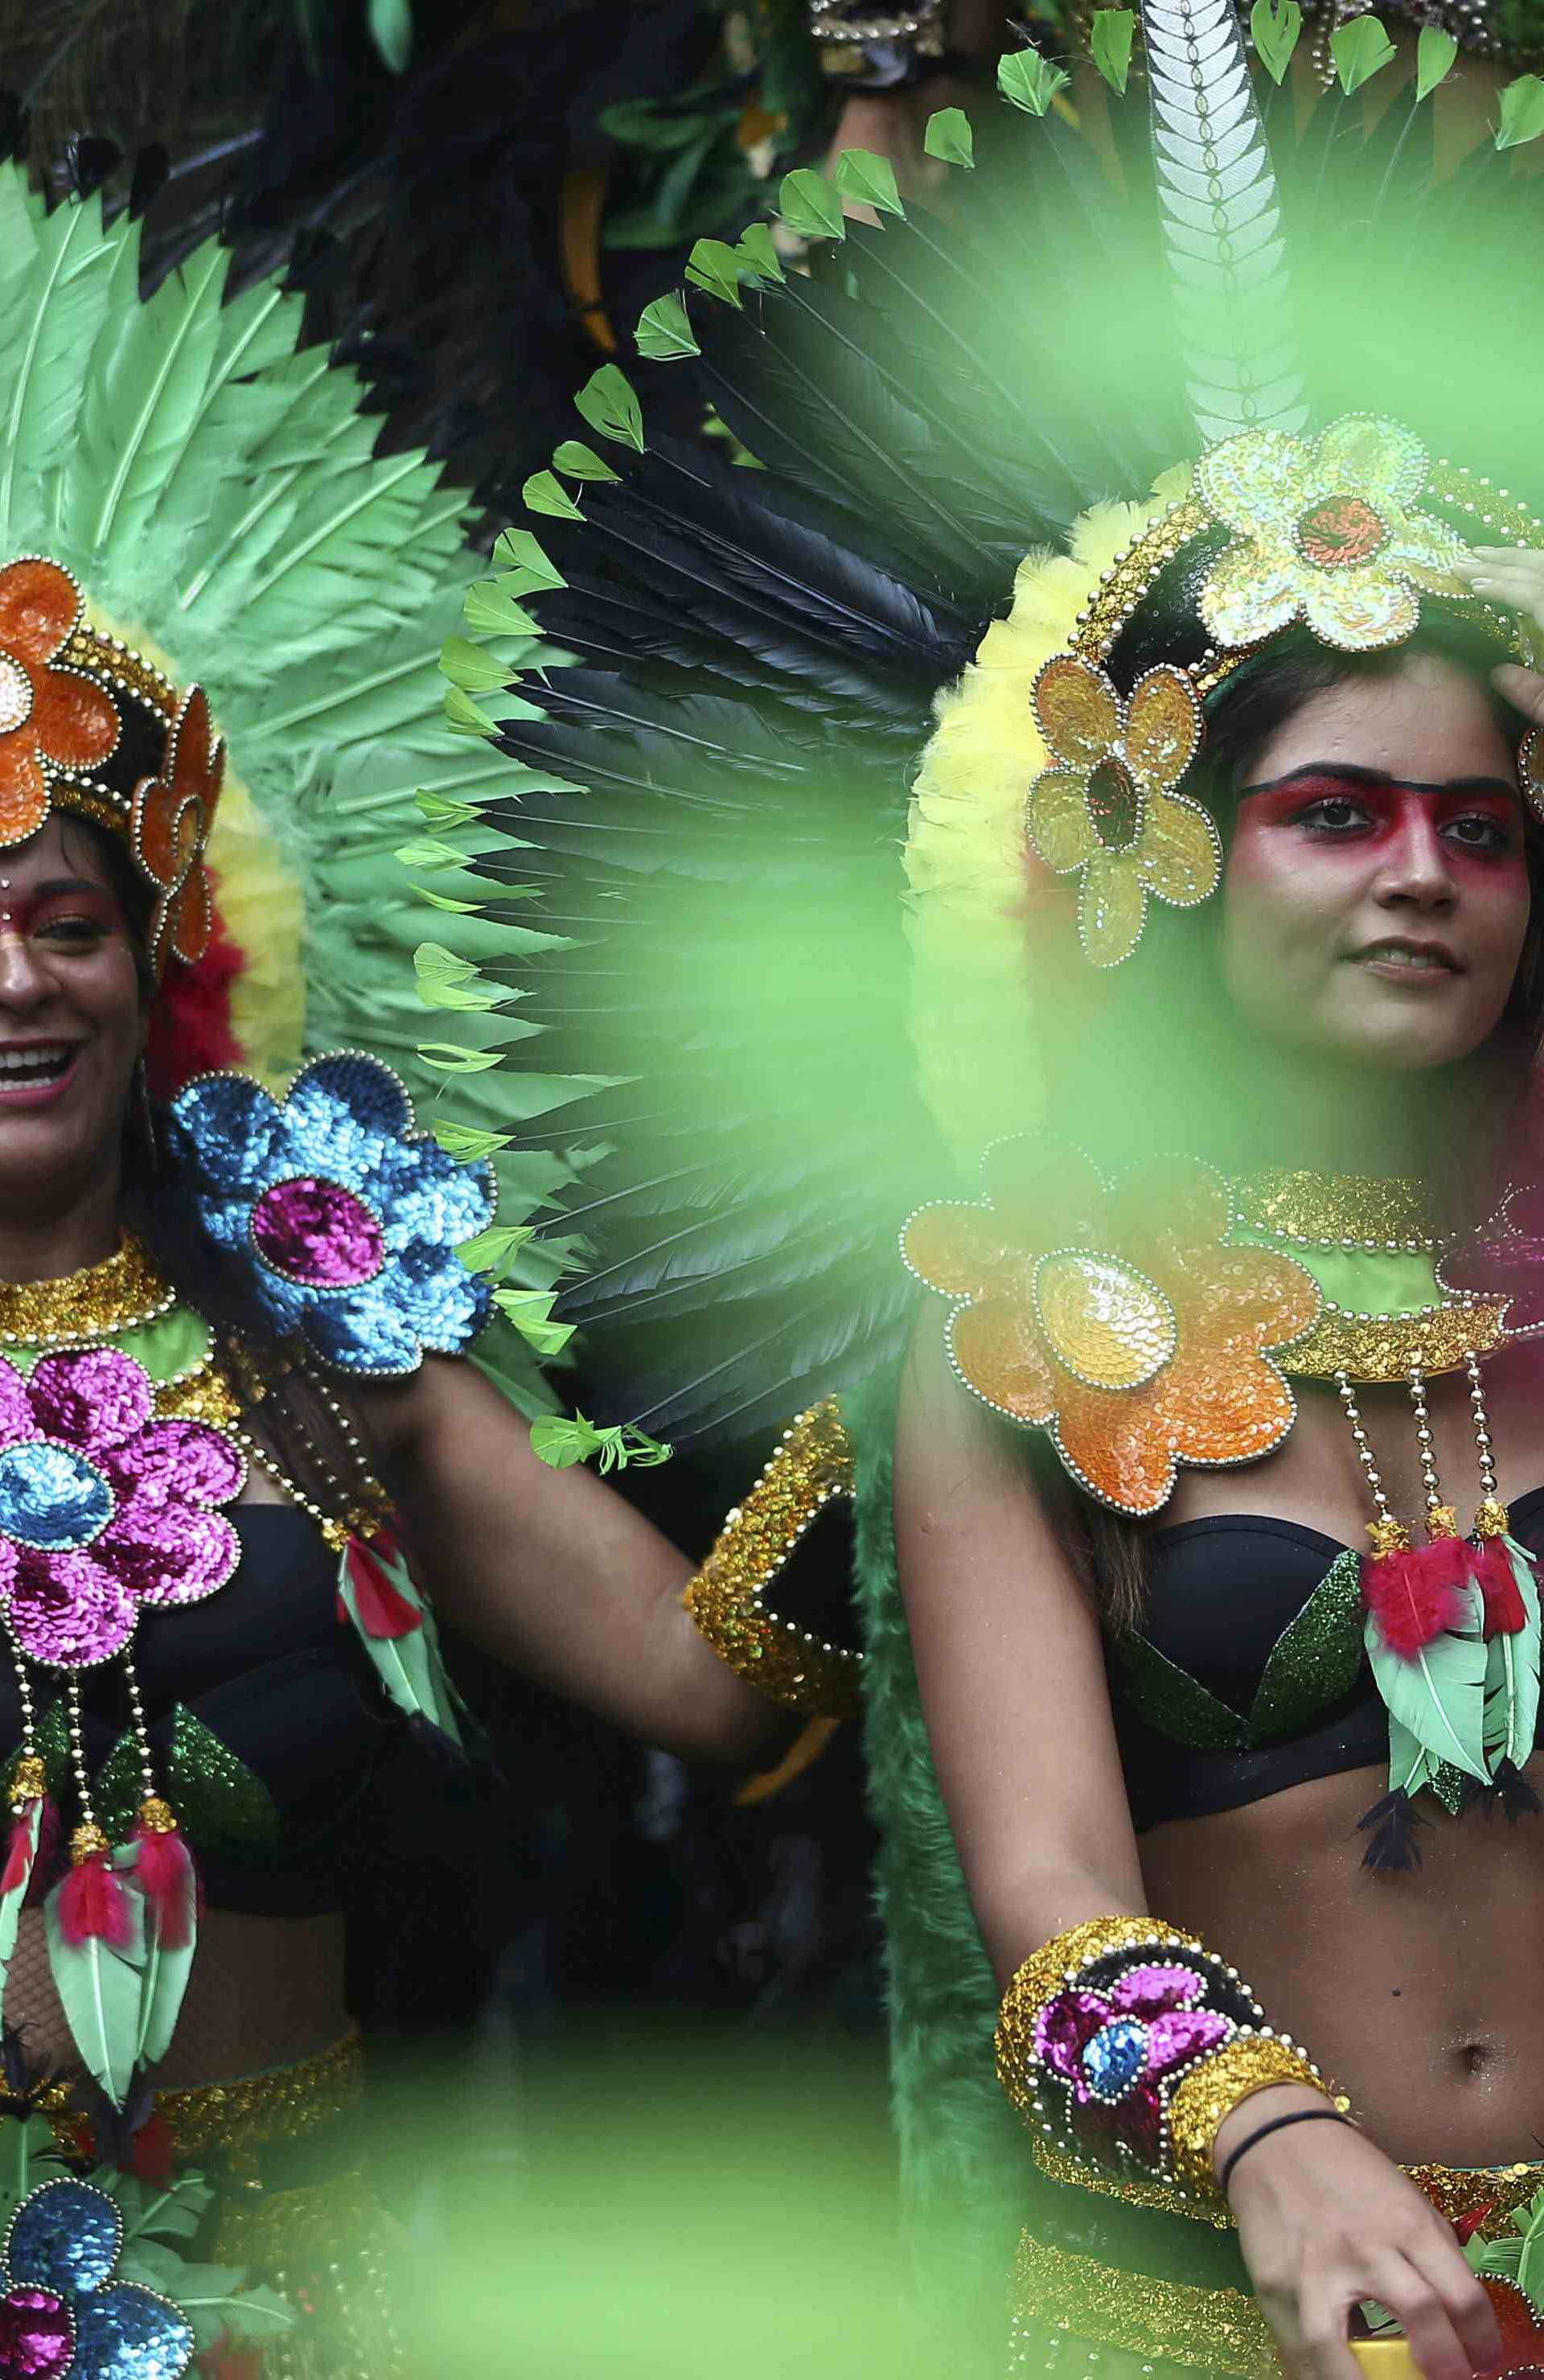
x=1124, y=2043
x=786, y=1662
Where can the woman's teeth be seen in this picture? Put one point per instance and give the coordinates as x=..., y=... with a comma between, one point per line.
x=42, y=1064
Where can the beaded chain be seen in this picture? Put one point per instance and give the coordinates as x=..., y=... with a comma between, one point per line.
x=1389, y=1534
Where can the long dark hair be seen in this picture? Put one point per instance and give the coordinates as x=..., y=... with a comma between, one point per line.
x=280, y=1406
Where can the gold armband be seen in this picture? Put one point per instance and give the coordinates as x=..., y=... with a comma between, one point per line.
x=786, y=1663
x=1124, y=2043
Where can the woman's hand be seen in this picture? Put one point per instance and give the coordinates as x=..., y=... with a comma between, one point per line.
x=1515, y=575
x=1324, y=2221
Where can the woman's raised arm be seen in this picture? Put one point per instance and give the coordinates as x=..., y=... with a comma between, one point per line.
x=553, y=1573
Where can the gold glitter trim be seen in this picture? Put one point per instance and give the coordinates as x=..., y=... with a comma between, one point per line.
x=288, y=2104
x=1216, y=2330
x=204, y=1395
x=1385, y=1346
x=785, y=1663
x=1164, y=2197
x=1328, y=1210
x=122, y=1293
x=1457, y=2192
x=1207, y=2095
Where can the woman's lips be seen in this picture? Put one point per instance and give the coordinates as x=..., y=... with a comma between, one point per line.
x=22, y=1087
x=1419, y=966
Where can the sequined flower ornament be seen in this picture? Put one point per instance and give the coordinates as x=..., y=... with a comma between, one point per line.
x=348, y=1219
x=1323, y=533
x=50, y=718
x=172, y=815
x=1115, y=1317
x=1107, y=807
x=61, y=2314
x=1117, y=2050
x=103, y=1508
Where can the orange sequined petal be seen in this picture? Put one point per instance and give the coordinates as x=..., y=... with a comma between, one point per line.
x=189, y=752
x=23, y=791
x=1251, y=1298
x=996, y=1350
x=156, y=813
x=77, y=725
x=956, y=1248
x=1076, y=709
x=1056, y=820
x=1165, y=1205
x=1163, y=726
x=1112, y=907
x=1046, y=1194
x=191, y=920
x=1116, y=1445
x=40, y=603
x=1223, y=1408
x=1372, y=456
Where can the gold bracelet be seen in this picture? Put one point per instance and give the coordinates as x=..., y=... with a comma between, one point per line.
x=786, y=1663
x=1124, y=2044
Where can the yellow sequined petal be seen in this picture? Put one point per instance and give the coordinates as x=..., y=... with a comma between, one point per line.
x=1255, y=482
x=1180, y=856
x=1076, y=709
x=1249, y=592
x=956, y=1248
x=1112, y=907
x=1428, y=550
x=1057, y=820
x=1359, y=611
x=1371, y=457
x=1103, y=1322
x=1162, y=728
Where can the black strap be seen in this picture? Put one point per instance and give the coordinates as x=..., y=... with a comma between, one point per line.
x=1277, y=2124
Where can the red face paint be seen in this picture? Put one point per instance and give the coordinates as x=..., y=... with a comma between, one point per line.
x=65, y=915
x=1475, y=824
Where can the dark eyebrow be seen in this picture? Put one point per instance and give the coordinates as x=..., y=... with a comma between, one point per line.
x=56, y=884
x=1351, y=773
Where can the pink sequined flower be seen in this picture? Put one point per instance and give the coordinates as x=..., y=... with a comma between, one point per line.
x=1116, y=2049
x=103, y=1507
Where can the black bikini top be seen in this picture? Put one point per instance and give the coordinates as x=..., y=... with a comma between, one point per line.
x=1248, y=1674
x=266, y=1754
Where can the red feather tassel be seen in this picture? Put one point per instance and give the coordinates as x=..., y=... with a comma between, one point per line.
x=1505, y=1613
x=382, y=1611
x=94, y=1904
x=21, y=1855
x=168, y=1879
x=1414, y=1595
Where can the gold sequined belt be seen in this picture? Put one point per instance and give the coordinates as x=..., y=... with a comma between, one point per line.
x=287, y=2103
x=1217, y=2330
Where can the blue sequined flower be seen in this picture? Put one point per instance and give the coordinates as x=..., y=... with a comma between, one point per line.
x=348, y=1218
x=61, y=2314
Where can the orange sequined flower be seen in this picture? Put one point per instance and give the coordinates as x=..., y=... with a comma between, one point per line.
x=49, y=718
x=1115, y=1316
x=1107, y=806
x=173, y=814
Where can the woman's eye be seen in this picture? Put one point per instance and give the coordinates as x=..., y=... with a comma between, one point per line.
x=79, y=931
x=1334, y=815
x=1480, y=834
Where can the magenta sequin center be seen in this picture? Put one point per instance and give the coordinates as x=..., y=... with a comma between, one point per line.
x=103, y=1507
x=318, y=1234
x=37, y=2338
x=1117, y=2049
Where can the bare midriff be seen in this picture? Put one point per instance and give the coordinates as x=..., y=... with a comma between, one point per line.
x=1417, y=1991
x=262, y=1991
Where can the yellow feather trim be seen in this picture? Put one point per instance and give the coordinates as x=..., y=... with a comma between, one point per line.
x=262, y=906
x=973, y=1012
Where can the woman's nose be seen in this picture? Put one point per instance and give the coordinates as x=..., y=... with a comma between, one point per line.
x=1416, y=866
x=25, y=983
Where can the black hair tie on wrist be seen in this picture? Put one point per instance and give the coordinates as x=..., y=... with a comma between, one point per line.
x=1277, y=2124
